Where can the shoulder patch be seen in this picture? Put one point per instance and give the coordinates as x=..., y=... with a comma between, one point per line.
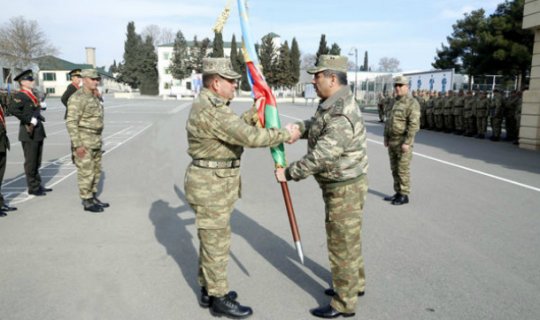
x=338, y=107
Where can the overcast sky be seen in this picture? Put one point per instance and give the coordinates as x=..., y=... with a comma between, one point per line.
x=410, y=31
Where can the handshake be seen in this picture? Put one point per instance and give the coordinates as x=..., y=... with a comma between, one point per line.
x=294, y=130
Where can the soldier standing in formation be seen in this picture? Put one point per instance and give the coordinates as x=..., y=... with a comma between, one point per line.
x=337, y=159
x=496, y=115
x=399, y=133
x=380, y=106
x=429, y=111
x=216, y=137
x=481, y=108
x=4, y=147
x=26, y=108
x=84, y=124
x=438, y=105
x=448, y=106
x=75, y=76
x=459, y=104
x=469, y=114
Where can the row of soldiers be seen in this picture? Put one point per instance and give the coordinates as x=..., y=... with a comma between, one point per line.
x=465, y=113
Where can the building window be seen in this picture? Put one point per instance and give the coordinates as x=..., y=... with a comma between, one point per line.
x=6, y=72
x=68, y=77
x=168, y=71
x=166, y=55
x=49, y=76
x=166, y=86
x=50, y=90
x=188, y=85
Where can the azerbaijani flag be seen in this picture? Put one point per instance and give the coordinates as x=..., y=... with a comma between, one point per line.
x=267, y=109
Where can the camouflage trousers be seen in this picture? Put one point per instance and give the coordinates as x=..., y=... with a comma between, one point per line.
x=400, y=163
x=481, y=125
x=381, y=113
x=458, y=123
x=344, y=205
x=430, y=121
x=214, y=232
x=448, y=122
x=470, y=126
x=439, y=121
x=88, y=172
x=496, y=126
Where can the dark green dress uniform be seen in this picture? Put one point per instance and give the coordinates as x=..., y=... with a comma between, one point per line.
x=4, y=147
x=70, y=90
x=26, y=107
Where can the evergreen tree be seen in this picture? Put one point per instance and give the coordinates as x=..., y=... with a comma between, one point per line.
x=323, y=48
x=234, y=55
x=217, y=46
x=283, y=67
x=335, y=50
x=244, y=82
x=148, y=73
x=195, y=62
x=129, y=70
x=268, y=60
x=295, y=62
x=113, y=68
x=180, y=67
x=365, y=66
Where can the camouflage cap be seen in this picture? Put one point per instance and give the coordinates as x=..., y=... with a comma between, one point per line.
x=401, y=80
x=90, y=73
x=330, y=62
x=220, y=66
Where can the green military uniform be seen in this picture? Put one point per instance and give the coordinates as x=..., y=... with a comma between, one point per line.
x=481, y=108
x=84, y=124
x=448, y=107
x=71, y=88
x=496, y=115
x=216, y=137
x=337, y=158
x=429, y=113
x=4, y=147
x=380, y=107
x=26, y=108
x=459, y=104
x=438, y=106
x=469, y=115
x=401, y=128
x=509, y=115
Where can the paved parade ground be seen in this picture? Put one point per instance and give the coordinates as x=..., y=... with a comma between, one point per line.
x=466, y=247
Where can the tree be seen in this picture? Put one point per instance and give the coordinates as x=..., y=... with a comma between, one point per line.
x=148, y=74
x=267, y=58
x=159, y=35
x=129, y=71
x=389, y=65
x=113, y=68
x=323, y=48
x=195, y=62
x=365, y=66
x=234, y=55
x=217, y=46
x=283, y=67
x=21, y=41
x=180, y=65
x=295, y=62
x=335, y=50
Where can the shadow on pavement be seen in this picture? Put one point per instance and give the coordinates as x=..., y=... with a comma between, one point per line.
x=171, y=231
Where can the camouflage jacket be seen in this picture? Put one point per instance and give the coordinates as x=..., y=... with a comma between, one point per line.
x=215, y=132
x=459, y=104
x=496, y=106
x=84, y=119
x=438, y=105
x=336, y=142
x=403, y=123
x=481, y=107
x=468, y=104
x=448, y=105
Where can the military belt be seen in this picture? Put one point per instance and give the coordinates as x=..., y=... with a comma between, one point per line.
x=216, y=164
x=98, y=131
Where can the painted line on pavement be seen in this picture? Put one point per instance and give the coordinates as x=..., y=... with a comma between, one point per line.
x=455, y=165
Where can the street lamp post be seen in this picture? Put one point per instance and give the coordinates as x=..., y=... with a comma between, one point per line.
x=355, y=69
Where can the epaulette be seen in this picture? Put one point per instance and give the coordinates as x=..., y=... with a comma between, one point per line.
x=338, y=107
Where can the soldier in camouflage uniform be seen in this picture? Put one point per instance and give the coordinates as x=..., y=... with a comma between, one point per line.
x=448, y=107
x=84, y=124
x=399, y=133
x=459, y=104
x=388, y=103
x=429, y=111
x=422, y=102
x=438, y=105
x=216, y=137
x=380, y=106
x=337, y=159
x=509, y=115
x=481, y=108
x=469, y=117
x=496, y=115
x=517, y=102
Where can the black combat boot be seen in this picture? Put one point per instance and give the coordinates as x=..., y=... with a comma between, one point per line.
x=328, y=312
x=331, y=292
x=205, y=298
x=392, y=198
x=225, y=306
x=89, y=205
x=99, y=203
x=402, y=199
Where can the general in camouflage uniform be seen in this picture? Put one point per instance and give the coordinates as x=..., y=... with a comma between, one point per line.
x=399, y=132
x=84, y=124
x=27, y=109
x=216, y=138
x=337, y=158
